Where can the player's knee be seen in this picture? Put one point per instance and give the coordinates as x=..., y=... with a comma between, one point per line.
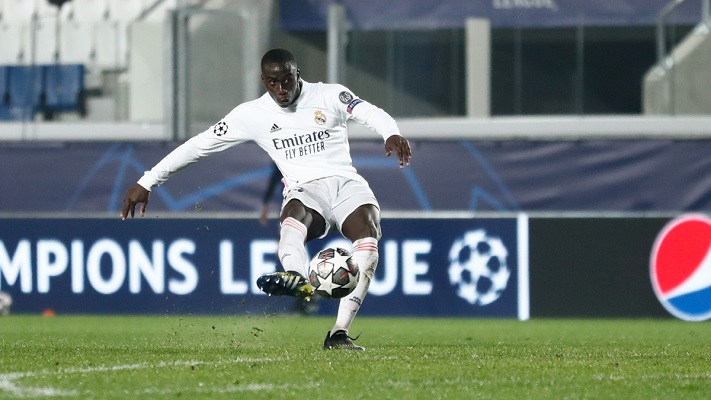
x=362, y=224
x=368, y=227
x=372, y=231
x=372, y=222
x=294, y=209
x=377, y=232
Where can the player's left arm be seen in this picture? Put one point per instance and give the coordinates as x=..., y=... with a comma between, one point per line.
x=378, y=120
x=381, y=122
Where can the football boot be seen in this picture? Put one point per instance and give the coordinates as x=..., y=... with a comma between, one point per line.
x=340, y=341
x=285, y=284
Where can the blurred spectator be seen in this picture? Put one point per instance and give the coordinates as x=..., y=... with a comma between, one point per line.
x=274, y=178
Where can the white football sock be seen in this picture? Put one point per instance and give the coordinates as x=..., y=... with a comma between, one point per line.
x=292, y=253
x=365, y=254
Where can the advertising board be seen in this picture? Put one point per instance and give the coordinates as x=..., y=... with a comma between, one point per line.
x=434, y=267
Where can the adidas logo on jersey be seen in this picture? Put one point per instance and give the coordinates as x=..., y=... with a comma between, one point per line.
x=275, y=128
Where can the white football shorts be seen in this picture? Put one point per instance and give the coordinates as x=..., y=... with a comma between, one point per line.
x=334, y=197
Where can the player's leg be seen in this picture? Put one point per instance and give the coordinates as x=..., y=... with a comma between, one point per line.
x=298, y=225
x=362, y=227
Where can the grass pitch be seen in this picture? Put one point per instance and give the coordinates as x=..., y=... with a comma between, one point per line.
x=280, y=357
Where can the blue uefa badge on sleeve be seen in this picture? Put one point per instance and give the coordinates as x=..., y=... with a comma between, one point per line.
x=220, y=128
x=345, y=97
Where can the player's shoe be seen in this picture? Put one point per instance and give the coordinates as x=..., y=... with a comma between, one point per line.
x=285, y=284
x=340, y=341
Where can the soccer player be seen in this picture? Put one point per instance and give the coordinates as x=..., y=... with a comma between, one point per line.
x=302, y=126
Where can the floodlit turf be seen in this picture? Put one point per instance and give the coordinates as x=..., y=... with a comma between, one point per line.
x=280, y=357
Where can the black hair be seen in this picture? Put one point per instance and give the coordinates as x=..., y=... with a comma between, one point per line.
x=278, y=56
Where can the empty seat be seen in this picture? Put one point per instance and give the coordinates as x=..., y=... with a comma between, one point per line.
x=112, y=36
x=3, y=85
x=108, y=52
x=24, y=92
x=64, y=89
x=24, y=85
x=18, y=10
x=76, y=42
x=46, y=41
x=89, y=11
x=45, y=9
x=125, y=11
x=3, y=93
x=13, y=42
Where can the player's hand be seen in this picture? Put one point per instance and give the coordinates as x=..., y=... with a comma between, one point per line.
x=401, y=147
x=135, y=194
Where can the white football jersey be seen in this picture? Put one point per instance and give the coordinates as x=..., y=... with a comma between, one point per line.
x=307, y=140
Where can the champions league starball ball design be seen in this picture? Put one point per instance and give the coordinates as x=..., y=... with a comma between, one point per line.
x=333, y=273
x=477, y=267
x=220, y=128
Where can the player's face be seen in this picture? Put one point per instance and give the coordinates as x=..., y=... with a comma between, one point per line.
x=282, y=82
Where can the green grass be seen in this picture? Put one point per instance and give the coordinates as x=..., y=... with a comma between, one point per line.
x=280, y=357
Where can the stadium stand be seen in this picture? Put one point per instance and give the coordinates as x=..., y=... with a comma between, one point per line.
x=108, y=53
x=88, y=11
x=125, y=10
x=15, y=31
x=49, y=53
x=18, y=10
x=11, y=42
x=679, y=82
x=112, y=36
x=76, y=44
x=63, y=90
x=4, y=95
x=24, y=88
x=47, y=89
x=45, y=49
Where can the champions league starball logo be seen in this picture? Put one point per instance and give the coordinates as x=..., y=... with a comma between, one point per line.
x=478, y=268
x=680, y=267
x=220, y=128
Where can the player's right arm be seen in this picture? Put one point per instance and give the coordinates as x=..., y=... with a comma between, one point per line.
x=215, y=139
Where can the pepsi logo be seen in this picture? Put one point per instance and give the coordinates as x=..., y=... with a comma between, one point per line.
x=680, y=267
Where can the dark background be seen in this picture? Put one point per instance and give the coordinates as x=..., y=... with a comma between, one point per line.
x=593, y=267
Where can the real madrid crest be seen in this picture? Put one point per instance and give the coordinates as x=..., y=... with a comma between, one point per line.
x=319, y=117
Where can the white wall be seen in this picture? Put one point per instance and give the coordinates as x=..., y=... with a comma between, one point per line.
x=683, y=87
x=146, y=71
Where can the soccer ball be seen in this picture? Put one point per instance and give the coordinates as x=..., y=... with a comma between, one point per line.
x=333, y=273
x=5, y=303
x=477, y=267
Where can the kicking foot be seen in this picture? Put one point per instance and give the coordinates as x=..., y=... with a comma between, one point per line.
x=285, y=284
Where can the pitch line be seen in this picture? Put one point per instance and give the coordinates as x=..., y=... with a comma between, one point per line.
x=9, y=385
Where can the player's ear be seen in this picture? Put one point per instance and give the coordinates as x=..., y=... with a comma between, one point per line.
x=298, y=74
